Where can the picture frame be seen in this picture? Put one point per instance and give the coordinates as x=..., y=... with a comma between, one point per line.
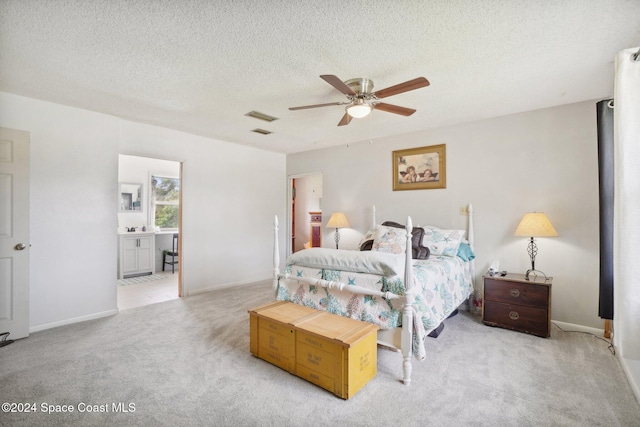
x=410, y=167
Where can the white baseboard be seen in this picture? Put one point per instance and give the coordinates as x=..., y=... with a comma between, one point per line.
x=93, y=316
x=632, y=369
x=579, y=328
x=225, y=286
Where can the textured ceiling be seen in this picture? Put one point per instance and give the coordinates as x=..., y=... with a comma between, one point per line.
x=199, y=66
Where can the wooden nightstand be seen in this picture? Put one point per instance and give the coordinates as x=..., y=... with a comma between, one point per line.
x=512, y=302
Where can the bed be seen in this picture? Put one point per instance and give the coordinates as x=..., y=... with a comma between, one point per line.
x=383, y=284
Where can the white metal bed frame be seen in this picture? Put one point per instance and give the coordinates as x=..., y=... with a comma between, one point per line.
x=397, y=338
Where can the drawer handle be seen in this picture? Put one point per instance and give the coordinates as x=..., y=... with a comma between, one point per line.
x=513, y=315
x=515, y=293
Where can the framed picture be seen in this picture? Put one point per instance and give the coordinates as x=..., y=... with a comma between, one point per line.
x=421, y=168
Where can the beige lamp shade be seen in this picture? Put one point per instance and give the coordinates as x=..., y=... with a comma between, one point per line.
x=338, y=220
x=535, y=224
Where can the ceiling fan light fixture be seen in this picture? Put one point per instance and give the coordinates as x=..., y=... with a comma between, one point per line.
x=362, y=98
x=359, y=109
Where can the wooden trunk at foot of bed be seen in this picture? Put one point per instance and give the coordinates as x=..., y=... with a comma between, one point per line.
x=336, y=353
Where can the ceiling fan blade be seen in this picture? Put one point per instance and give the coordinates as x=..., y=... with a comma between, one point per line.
x=395, y=109
x=346, y=119
x=337, y=83
x=304, y=107
x=402, y=87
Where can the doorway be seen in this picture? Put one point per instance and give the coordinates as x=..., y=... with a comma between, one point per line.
x=305, y=209
x=153, y=228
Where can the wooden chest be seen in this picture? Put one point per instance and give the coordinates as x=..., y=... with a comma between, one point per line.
x=512, y=302
x=333, y=352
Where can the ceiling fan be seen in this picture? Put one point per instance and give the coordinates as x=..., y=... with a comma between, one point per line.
x=362, y=99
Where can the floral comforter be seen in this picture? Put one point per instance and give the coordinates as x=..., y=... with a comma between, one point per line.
x=442, y=283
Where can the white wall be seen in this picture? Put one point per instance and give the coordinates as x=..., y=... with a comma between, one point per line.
x=544, y=160
x=73, y=188
x=227, y=232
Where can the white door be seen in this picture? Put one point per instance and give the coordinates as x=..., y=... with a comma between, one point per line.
x=14, y=233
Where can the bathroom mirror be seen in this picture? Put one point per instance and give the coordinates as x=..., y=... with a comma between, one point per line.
x=130, y=197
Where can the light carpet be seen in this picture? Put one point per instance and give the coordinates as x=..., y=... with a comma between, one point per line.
x=186, y=362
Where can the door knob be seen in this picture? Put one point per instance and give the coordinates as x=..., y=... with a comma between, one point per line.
x=20, y=247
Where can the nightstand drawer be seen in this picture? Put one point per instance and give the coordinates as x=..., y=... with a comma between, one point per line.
x=517, y=317
x=510, y=292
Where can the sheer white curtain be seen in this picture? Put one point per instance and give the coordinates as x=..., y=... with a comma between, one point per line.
x=626, y=320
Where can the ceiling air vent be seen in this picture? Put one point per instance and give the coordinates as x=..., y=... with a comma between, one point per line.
x=261, y=131
x=261, y=116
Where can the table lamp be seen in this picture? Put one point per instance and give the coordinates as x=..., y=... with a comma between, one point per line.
x=534, y=224
x=337, y=221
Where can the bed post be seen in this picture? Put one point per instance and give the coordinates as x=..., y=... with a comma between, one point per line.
x=472, y=264
x=276, y=255
x=407, y=309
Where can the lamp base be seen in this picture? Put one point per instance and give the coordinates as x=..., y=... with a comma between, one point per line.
x=532, y=272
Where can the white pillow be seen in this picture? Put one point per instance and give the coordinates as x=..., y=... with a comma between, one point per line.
x=442, y=242
x=389, y=240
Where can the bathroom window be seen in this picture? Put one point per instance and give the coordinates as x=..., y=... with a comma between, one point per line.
x=165, y=202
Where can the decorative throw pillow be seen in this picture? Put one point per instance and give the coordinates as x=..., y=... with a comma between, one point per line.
x=366, y=243
x=442, y=242
x=417, y=250
x=465, y=252
x=390, y=240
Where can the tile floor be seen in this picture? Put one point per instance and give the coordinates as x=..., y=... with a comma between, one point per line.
x=131, y=296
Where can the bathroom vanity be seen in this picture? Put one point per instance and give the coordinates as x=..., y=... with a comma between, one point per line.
x=136, y=254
